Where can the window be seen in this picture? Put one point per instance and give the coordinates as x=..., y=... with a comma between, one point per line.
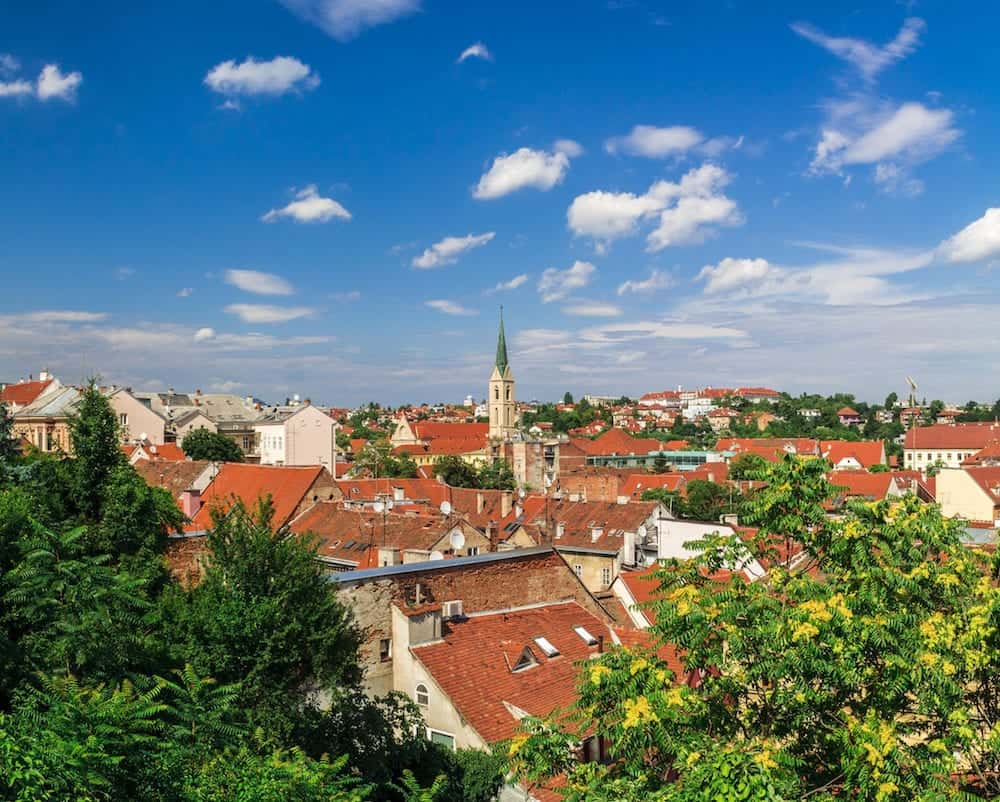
x=422, y=696
x=578, y=569
x=442, y=738
x=385, y=650
x=587, y=638
x=605, y=576
x=546, y=647
x=496, y=393
x=526, y=660
x=472, y=551
x=123, y=419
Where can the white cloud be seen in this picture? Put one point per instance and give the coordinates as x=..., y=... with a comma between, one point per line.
x=863, y=130
x=977, y=241
x=688, y=210
x=513, y=284
x=185, y=292
x=731, y=274
x=264, y=313
x=478, y=50
x=657, y=281
x=569, y=147
x=309, y=207
x=251, y=77
x=203, y=334
x=853, y=277
x=895, y=180
x=523, y=168
x=450, y=308
x=346, y=19
x=53, y=83
x=16, y=88
x=64, y=316
x=656, y=143
x=259, y=283
x=447, y=251
x=556, y=284
x=8, y=64
x=591, y=309
x=867, y=58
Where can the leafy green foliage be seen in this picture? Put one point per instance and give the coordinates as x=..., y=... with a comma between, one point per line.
x=866, y=669
x=456, y=472
x=263, y=617
x=376, y=459
x=746, y=466
x=496, y=475
x=203, y=444
x=96, y=449
x=135, y=516
x=9, y=450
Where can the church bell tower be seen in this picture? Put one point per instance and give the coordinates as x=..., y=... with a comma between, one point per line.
x=500, y=398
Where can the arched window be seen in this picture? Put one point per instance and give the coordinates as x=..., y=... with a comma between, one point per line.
x=496, y=393
x=422, y=696
x=508, y=393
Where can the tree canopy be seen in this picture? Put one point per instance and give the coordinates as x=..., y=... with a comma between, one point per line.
x=863, y=666
x=203, y=444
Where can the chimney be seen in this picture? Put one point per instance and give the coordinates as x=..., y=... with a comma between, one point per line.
x=493, y=534
x=506, y=503
x=480, y=503
x=190, y=502
x=560, y=529
x=623, y=499
x=596, y=532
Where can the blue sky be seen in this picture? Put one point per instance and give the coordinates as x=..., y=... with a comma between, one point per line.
x=333, y=197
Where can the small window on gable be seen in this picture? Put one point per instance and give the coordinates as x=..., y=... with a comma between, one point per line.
x=547, y=648
x=526, y=660
x=422, y=696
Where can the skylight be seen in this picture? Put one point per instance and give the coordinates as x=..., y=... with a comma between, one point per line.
x=526, y=660
x=546, y=647
x=589, y=639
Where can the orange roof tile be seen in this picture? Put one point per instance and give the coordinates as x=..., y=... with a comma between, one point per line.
x=23, y=393
x=972, y=436
x=639, y=483
x=866, y=452
x=236, y=481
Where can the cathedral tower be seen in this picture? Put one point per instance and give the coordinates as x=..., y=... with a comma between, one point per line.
x=500, y=397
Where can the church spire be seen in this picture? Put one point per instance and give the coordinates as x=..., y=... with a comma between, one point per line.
x=501, y=347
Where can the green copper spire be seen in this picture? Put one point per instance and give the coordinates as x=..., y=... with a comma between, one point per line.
x=501, y=347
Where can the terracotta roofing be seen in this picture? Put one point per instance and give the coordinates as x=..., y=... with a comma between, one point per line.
x=988, y=478
x=847, y=412
x=345, y=534
x=175, y=477
x=866, y=452
x=756, y=391
x=639, y=483
x=443, y=446
x=988, y=453
x=660, y=396
x=581, y=520
x=770, y=448
x=23, y=393
x=473, y=661
x=644, y=586
x=615, y=441
x=236, y=481
x=480, y=507
x=861, y=484
x=164, y=452
x=971, y=436
x=431, y=430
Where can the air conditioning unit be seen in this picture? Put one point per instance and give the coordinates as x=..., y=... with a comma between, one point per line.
x=451, y=609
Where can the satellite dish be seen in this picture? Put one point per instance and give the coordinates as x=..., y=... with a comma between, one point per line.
x=446, y=508
x=378, y=506
x=142, y=437
x=641, y=531
x=521, y=493
x=437, y=555
x=457, y=540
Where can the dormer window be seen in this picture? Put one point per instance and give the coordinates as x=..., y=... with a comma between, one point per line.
x=526, y=660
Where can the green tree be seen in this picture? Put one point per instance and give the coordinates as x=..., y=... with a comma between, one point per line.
x=873, y=677
x=567, y=397
x=456, y=472
x=135, y=515
x=97, y=451
x=377, y=460
x=202, y=444
x=671, y=499
x=708, y=501
x=746, y=466
x=263, y=618
x=890, y=401
x=496, y=475
x=9, y=450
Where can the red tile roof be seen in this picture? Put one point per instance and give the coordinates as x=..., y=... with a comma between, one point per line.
x=444, y=446
x=616, y=441
x=639, y=483
x=770, y=448
x=971, y=436
x=847, y=412
x=23, y=393
x=861, y=484
x=175, y=477
x=988, y=453
x=988, y=478
x=472, y=664
x=165, y=452
x=432, y=430
x=866, y=452
x=579, y=518
x=286, y=487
